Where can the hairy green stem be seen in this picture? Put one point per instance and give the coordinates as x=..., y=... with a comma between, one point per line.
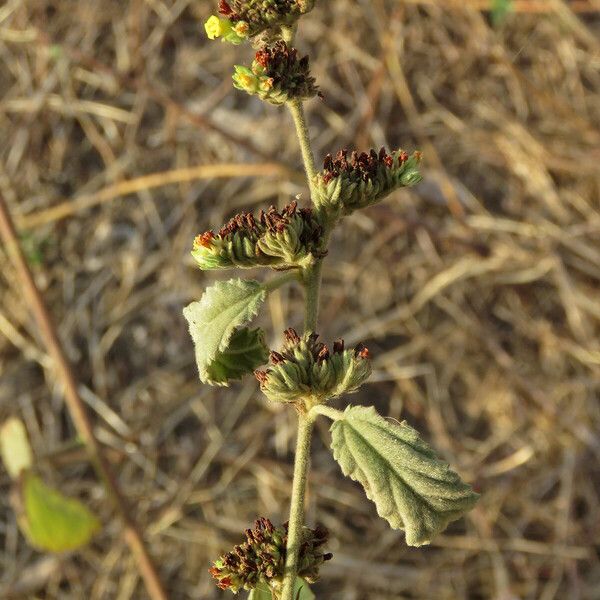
x=312, y=288
x=296, y=521
x=312, y=285
x=297, y=111
x=327, y=411
x=277, y=282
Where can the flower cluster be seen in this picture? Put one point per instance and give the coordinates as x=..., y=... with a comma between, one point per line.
x=261, y=558
x=305, y=370
x=277, y=75
x=242, y=19
x=284, y=239
x=350, y=180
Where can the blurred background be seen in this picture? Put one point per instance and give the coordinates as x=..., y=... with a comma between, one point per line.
x=477, y=292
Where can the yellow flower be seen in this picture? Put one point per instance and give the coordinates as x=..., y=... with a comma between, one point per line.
x=216, y=27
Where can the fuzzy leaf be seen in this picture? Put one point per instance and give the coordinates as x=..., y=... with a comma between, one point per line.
x=412, y=489
x=246, y=351
x=51, y=521
x=214, y=319
x=302, y=591
x=14, y=447
x=262, y=592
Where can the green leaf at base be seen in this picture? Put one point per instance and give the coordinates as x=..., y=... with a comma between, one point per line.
x=51, y=521
x=302, y=591
x=412, y=489
x=246, y=351
x=214, y=319
x=262, y=592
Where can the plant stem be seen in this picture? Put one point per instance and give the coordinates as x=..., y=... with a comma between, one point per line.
x=312, y=285
x=277, y=282
x=297, y=111
x=312, y=288
x=296, y=521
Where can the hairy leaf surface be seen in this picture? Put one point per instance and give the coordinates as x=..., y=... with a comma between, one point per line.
x=246, y=351
x=213, y=320
x=412, y=489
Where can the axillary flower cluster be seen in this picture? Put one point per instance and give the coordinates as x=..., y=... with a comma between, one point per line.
x=411, y=488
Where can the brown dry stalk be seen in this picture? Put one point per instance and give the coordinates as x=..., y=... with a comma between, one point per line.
x=76, y=407
x=68, y=208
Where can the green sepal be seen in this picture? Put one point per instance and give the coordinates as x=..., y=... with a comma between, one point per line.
x=49, y=520
x=345, y=187
x=411, y=488
x=213, y=320
x=278, y=239
x=245, y=352
x=306, y=371
x=277, y=75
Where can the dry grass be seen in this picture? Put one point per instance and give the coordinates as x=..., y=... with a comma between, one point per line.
x=477, y=292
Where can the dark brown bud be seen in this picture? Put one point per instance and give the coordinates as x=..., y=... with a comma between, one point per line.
x=361, y=351
x=338, y=346
x=291, y=336
x=261, y=376
x=276, y=358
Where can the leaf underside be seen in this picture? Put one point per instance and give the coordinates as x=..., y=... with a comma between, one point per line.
x=246, y=351
x=50, y=521
x=213, y=320
x=411, y=488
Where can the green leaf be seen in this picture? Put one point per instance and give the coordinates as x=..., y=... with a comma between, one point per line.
x=500, y=9
x=50, y=521
x=412, y=489
x=14, y=447
x=214, y=319
x=302, y=591
x=246, y=351
x=262, y=592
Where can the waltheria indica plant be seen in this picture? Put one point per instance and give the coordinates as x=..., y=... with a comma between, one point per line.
x=411, y=488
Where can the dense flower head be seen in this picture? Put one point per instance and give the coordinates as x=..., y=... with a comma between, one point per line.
x=261, y=558
x=353, y=180
x=305, y=370
x=263, y=15
x=277, y=75
x=279, y=239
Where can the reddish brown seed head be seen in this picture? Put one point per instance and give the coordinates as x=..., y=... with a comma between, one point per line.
x=291, y=336
x=338, y=346
x=261, y=376
x=204, y=239
x=361, y=351
x=224, y=8
x=276, y=358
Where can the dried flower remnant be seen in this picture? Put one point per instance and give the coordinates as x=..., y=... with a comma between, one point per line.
x=277, y=75
x=261, y=558
x=353, y=180
x=307, y=372
x=278, y=239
